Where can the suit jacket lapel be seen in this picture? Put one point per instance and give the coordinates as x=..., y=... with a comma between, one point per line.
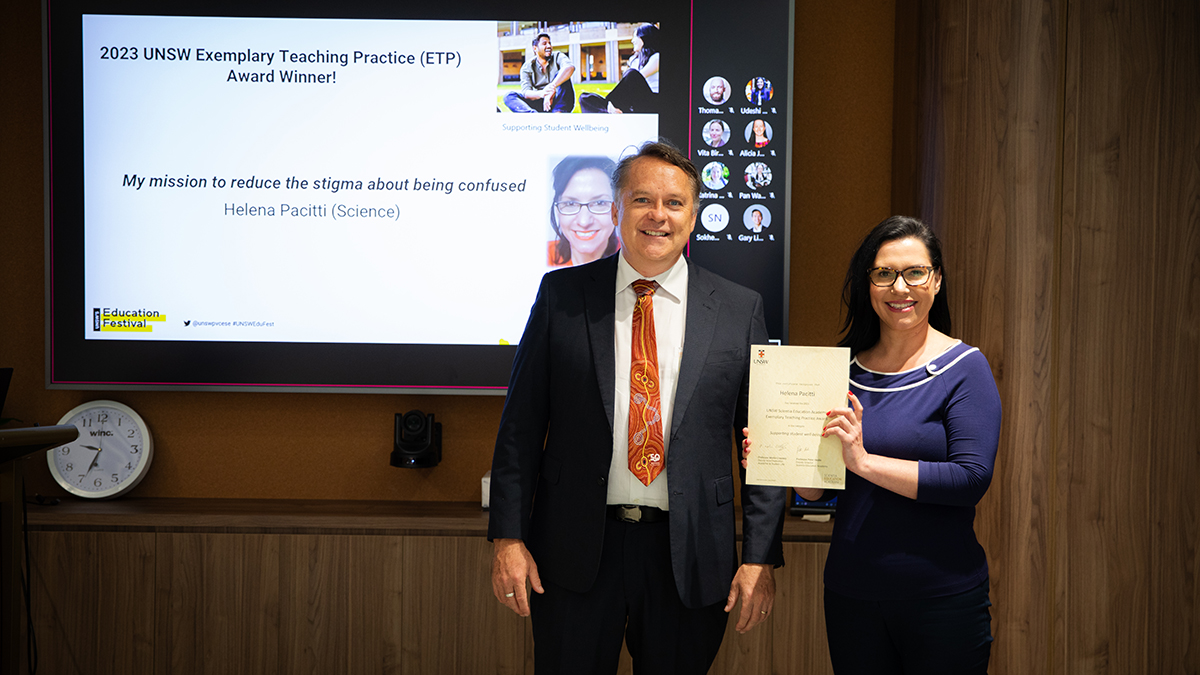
x=600, y=300
x=702, y=307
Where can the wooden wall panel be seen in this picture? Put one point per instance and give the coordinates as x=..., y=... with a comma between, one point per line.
x=258, y=599
x=93, y=602
x=1125, y=452
x=798, y=627
x=255, y=603
x=428, y=600
x=989, y=141
x=745, y=654
x=123, y=578
x=1174, y=438
x=500, y=649
x=376, y=627
x=178, y=589
x=314, y=603
x=1057, y=156
x=62, y=602
x=218, y=604
x=749, y=653
x=183, y=603
x=448, y=578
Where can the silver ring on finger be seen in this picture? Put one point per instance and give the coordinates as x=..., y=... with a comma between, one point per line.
x=509, y=595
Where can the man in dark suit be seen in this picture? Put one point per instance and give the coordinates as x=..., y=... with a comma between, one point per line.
x=612, y=480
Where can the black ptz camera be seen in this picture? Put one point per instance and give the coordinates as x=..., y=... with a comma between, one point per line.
x=418, y=441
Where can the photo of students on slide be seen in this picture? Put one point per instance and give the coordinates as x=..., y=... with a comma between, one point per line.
x=578, y=66
x=545, y=81
x=638, y=88
x=581, y=211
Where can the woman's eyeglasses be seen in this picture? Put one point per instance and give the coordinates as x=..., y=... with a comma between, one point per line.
x=598, y=207
x=913, y=276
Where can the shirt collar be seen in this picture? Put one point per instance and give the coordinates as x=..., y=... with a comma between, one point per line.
x=673, y=281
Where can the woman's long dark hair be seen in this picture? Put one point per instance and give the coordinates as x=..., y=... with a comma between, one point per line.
x=648, y=32
x=861, y=328
x=563, y=173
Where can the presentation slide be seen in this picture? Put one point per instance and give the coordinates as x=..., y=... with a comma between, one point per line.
x=274, y=196
x=320, y=181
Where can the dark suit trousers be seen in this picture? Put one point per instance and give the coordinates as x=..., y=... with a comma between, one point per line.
x=634, y=598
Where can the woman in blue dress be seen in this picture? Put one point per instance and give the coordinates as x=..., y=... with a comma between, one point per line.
x=906, y=581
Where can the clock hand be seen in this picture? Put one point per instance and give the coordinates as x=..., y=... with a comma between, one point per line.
x=95, y=459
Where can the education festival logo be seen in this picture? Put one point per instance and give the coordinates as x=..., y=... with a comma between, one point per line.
x=121, y=320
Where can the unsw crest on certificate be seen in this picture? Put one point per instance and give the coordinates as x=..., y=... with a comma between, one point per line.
x=791, y=390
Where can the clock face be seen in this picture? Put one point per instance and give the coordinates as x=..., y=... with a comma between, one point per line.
x=110, y=456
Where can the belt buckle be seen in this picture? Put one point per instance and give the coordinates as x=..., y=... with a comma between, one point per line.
x=629, y=514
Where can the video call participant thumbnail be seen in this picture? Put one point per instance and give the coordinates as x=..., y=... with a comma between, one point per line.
x=759, y=91
x=756, y=218
x=716, y=90
x=716, y=133
x=545, y=81
x=758, y=175
x=715, y=175
x=759, y=133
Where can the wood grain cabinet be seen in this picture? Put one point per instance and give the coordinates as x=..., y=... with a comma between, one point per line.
x=185, y=587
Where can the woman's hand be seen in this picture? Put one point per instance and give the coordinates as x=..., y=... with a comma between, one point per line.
x=846, y=424
x=745, y=445
x=898, y=475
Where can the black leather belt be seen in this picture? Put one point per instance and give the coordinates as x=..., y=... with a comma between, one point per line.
x=632, y=513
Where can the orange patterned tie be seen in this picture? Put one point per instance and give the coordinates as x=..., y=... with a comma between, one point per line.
x=645, y=421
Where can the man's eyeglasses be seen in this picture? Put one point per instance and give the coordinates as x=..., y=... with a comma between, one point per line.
x=913, y=276
x=598, y=207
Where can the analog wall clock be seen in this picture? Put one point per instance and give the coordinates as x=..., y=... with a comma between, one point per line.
x=111, y=455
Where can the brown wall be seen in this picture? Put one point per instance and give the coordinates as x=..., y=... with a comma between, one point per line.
x=335, y=446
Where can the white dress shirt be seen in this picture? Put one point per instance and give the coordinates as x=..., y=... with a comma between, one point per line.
x=670, y=310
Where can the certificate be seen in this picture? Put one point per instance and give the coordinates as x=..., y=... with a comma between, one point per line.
x=791, y=389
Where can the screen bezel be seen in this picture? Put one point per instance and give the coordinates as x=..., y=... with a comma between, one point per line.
x=73, y=362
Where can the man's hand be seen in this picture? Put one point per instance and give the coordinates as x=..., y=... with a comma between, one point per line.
x=511, y=565
x=755, y=585
x=548, y=98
